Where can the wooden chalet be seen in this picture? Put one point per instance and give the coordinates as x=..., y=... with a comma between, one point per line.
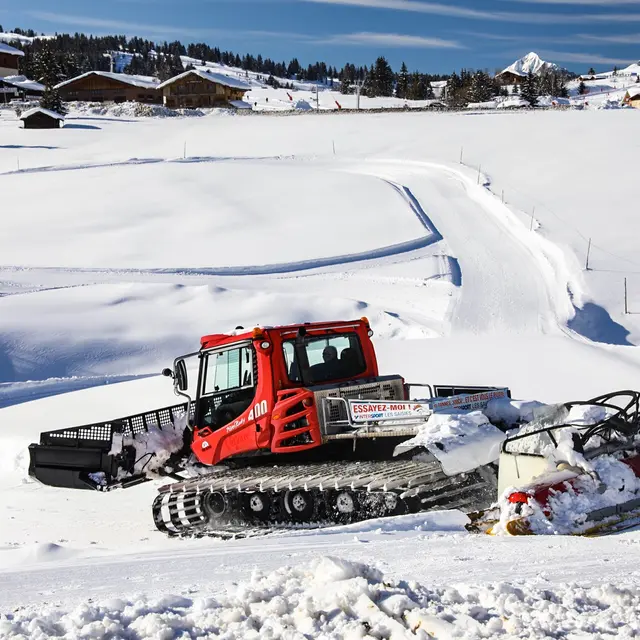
x=9, y=57
x=104, y=86
x=200, y=88
x=510, y=77
x=632, y=97
x=40, y=118
x=12, y=87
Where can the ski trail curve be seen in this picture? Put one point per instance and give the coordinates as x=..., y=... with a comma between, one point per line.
x=509, y=283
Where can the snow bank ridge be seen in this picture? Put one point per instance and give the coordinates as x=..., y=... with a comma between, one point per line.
x=334, y=598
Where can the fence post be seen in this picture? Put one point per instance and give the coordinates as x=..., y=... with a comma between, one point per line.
x=586, y=266
x=532, y=214
x=461, y=150
x=479, y=168
x=626, y=300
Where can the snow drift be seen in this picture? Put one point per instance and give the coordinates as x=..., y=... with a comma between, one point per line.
x=334, y=598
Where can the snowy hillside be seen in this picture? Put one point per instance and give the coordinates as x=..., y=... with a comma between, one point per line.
x=129, y=238
x=15, y=37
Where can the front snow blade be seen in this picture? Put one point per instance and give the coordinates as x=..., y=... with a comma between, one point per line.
x=84, y=458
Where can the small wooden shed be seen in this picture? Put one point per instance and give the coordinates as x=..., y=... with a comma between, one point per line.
x=40, y=118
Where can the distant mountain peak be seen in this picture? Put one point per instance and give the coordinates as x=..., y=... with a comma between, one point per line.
x=530, y=63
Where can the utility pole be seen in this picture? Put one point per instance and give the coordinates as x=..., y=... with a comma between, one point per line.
x=359, y=85
x=111, y=61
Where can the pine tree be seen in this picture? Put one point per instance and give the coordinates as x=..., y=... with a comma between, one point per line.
x=402, y=87
x=582, y=88
x=530, y=90
x=47, y=67
x=380, y=79
x=480, y=89
x=457, y=86
x=52, y=101
x=592, y=72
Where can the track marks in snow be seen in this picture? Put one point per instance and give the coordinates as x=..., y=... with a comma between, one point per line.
x=142, y=161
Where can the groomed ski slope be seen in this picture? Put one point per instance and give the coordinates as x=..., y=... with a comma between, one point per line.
x=460, y=287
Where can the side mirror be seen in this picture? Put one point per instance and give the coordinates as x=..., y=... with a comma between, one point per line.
x=181, y=375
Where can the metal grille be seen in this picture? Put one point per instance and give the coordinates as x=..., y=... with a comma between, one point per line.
x=102, y=432
x=390, y=389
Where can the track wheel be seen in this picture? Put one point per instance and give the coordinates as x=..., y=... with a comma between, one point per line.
x=215, y=504
x=257, y=505
x=300, y=505
x=393, y=504
x=344, y=505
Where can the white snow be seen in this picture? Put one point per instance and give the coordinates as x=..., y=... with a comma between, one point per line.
x=130, y=237
x=460, y=441
x=333, y=598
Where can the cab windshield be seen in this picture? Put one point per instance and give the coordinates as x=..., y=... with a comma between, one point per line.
x=324, y=358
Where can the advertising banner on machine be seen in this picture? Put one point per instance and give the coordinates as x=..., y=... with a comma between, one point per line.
x=468, y=402
x=372, y=410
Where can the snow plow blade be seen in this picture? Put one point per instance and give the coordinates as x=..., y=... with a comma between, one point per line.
x=82, y=458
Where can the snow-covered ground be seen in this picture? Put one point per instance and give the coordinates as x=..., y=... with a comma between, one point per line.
x=125, y=239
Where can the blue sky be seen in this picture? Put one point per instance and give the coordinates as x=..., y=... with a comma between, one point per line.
x=435, y=37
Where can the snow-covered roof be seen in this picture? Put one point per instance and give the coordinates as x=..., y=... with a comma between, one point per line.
x=51, y=114
x=633, y=92
x=513, y=102
x=144, y=82
x=529, y=63
x=218, y=78
x=240, y=104
x=22, y=82
x=489, y=104
x=12, y=51
x=438, y=84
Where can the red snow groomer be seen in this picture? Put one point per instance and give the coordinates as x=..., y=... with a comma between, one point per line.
x=573, y=470
x=304, y=428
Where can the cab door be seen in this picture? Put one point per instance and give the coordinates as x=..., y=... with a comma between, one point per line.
x=227, y=413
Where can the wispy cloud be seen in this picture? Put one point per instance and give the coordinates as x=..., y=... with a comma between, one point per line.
x=587, y=58
x=624, y=38
x=158, y=30
x=449, y=10
x=87, y=22
x=570, y=38
x=366, y=38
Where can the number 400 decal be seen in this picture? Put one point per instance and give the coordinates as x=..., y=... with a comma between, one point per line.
x=258, y=410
